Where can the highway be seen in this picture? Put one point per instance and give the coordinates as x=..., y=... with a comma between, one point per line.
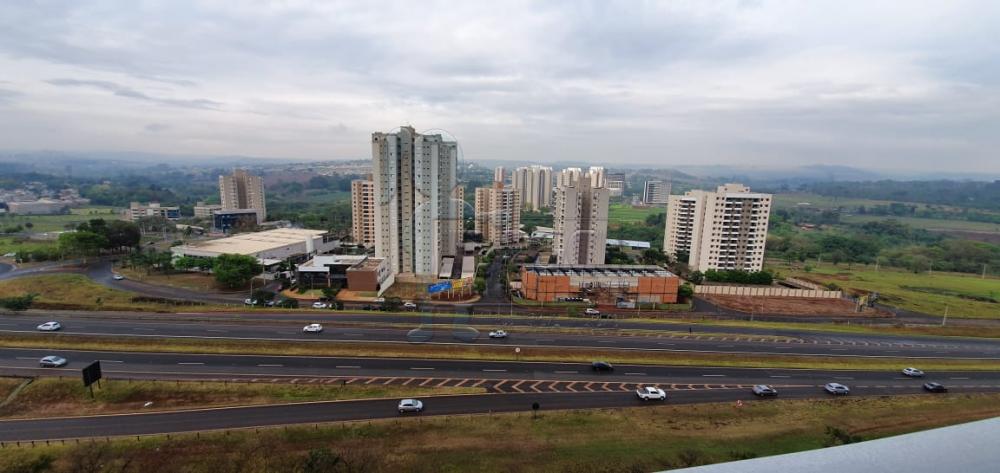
x=565, y=333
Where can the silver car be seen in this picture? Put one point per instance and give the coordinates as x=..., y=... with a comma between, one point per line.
x=763, y=390
x=837, y=389
x=410, y=405
x=913, y=372
x=49, y=326
x=52, y=361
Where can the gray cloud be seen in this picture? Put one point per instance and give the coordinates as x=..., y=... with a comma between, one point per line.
x=127, y=92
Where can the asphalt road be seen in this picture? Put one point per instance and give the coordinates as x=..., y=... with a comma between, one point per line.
x=584, y=334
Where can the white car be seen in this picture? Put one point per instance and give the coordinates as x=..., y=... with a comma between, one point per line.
x=498, y=334
x=409, y=306
x=763, y=390
x=49, y=326
x=913, y=372
x=410, y=405
x=592, y=311
x=118, y=277
x=52, y=361
x=651, y=393
x=249, y=301
x=319, y=305
x=10, y=255
x=836, y=388
x=312, y=328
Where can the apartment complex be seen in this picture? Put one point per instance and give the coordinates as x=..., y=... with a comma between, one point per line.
x=242, y=190
x=363, y=212
x=498, y=214
x=534, y=186
x=498, y=174
x=581, y=223
x=418, y=213
x=656, y=192
x=204, y=210
x=568, y=177
x=135, y=211
x=598, y=178
x=615, y=182
x=725, y=229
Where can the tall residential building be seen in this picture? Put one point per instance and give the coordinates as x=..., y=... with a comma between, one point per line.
x=363, y=212
x=418, y=211
x=242, y=190
x=598, y=178
x=725, y=229
x=615, y=182
x=581, y=223
x=568, y=177
x=656, y=192
x=534, y=186
x=498, y=214
x=498, y=174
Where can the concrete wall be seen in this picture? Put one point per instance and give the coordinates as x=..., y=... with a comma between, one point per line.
x=769, y=291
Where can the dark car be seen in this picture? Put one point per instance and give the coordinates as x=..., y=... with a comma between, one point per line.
x=935, y=387
x=601, y=366
x=763, y=390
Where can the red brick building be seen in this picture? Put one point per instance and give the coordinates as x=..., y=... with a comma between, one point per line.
x=603, y=284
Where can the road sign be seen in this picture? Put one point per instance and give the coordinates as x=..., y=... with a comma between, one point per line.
x=92, y=373
x=439, y=287
x=457, y=283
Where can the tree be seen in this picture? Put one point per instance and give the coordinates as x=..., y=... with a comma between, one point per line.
x=18, y=303
x=82, y=243
x=653, y=256
x=392, y=304
x=685, y=292
x=697, y=277
x=479, y=284
x=122, y=234
x=234, y=271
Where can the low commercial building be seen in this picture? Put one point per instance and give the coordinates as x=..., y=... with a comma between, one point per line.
x=38, y=207
x=226, y=221
x=604, y=284
x=630, y=244
x=271, y=246
x=360, y=273
x=135, y=211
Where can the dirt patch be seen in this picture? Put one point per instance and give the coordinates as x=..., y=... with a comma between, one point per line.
x=794, y=306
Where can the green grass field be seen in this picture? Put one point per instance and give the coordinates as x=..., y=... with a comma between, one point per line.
x=923, y=292
x=822, y=202
x=621, y=213
x=75, y=292
x=13, y=245
x=648, y=438
x=58, y=223
x=936, y=224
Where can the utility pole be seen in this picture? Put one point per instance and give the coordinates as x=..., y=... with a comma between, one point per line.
x=876, y=264
x=945, y=319
x=984, y=272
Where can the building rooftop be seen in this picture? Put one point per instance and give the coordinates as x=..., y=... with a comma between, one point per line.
x=598, y=270
x=628, y=243
x=368, y=264
x=252, y=243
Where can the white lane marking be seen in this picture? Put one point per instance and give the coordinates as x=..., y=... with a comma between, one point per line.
x=635, y=374
x=780, y=376
x=724, y=346
x=348, y=367
x=567, y=372
x=111, y=361
x=423, y=369
x=144, y=329
x=354, y=334
x=607, y=341
x=217, y=331
x=494, y=371
x=665, y=343
x=714, y=375
x=959, y=378
x=545, y=340
x=842, y=377
x=271, y=365
x=190, y=363
x=838, y=349
x=36, y=358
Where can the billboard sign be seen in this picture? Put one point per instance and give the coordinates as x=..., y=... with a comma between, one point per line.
x=439, y=287
x=91, y=373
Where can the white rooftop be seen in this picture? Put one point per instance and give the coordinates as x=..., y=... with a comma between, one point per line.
x=253, y=243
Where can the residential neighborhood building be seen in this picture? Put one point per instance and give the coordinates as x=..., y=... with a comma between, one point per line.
x=498, y=174
x=656, y=192
x=580, y=217
x=616, y=184
x=135, y=211
x=598, y=177
x=203, y=210
x=498, y=214
x=568, y=177
x=418, y=214
x=602, y=284
x=725, y=229
x=363, y=212
x=534, y=186
x=242, y=190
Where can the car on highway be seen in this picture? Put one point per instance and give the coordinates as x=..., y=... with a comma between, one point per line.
x=913, y=372
x=591, y=311
x=410, y=405
x=601, y=366
x=49, y=326
x=498, y=334
x=320, y=305
x=9, y=255
x=52, y=361
x=118, y=277
x=763, y=390
x=249, y=301
x=935, y=387
x=409, y=306
x=837, y=389
x=312, y=328
x=651, y=393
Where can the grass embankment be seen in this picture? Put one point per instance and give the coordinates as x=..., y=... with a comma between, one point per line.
x=14, y=245
x=57, y=342
x=50, y=397
x=192, y=281
x=623, y=213
x=77, y=292
x=964, y=295
x=630, y=439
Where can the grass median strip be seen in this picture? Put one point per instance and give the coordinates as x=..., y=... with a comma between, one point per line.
x=54, y=397
x=650, y=438
x=56, y=342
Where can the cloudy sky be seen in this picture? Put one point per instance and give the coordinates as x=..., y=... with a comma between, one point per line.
x=904, y=85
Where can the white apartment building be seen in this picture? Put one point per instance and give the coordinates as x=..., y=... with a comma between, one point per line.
x=598, y=178
x=418, y=211
x=656, y=192
x=615, y=182
x=363, y=212
x=568, y=177
x=725, y=229
x=498, y=174
x=534, y=186
x=135, y=211
x=580, y=218
x=498, y=214
x=243, y=190
x=203, y=210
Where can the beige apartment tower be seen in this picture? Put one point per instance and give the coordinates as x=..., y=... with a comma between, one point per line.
x=363, y=212
x=498, y=215
x=242, y=190
x=418, y=202
x=580, y=220
x=534, y=186
x=724, y=230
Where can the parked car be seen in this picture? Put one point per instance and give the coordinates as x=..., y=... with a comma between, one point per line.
x=837, y=389
x=591, y=311
x=49, y=326
x=651, y=393
x=312, y=328
x=118, y=277
x=498, y=334
x=249, y=301
x=410, y=405
x=10, y=255
x=935, y=387
x=601, y=366
x=52, y=361
x=913, y=372
x=409, y=306
x=320, y=305
x=763, y=390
